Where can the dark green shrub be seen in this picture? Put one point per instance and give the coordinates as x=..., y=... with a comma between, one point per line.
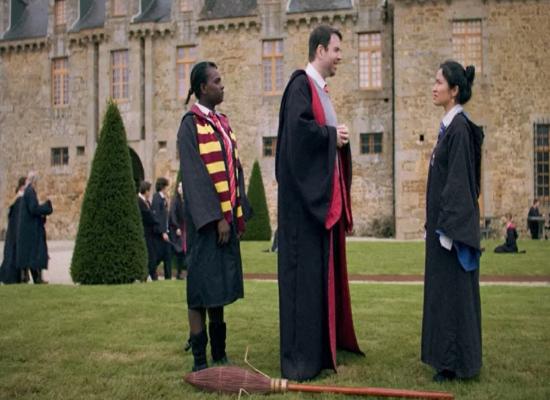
x=383, y=227
x=110, y=247
x=258, y=228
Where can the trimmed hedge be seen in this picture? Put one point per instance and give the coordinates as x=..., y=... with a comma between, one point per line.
x=110, y=246
x=258, y=228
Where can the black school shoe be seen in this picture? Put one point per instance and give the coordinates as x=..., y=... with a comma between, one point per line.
x=444, y=376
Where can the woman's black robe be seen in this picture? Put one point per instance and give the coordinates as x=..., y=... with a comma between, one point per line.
x=451, y=326
x=8, y=271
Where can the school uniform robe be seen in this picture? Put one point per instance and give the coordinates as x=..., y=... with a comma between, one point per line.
x=177, y=221
x=159, y=207
x=32, y=249
x=9, y=273
x=151, y=230
x=314, y=302
x=214, y=272
x=510, y=245
x=451, y=325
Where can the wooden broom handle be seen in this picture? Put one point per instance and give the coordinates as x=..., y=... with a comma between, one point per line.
x=370, y=391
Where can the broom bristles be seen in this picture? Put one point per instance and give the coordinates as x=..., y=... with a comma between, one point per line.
x=232, y=379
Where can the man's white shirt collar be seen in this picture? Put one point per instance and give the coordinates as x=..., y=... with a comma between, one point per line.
x=448, y=118
x=142, y=197
x=315, y=75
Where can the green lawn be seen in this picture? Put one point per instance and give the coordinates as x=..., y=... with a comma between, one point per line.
x=125, y=342
x=404, y=258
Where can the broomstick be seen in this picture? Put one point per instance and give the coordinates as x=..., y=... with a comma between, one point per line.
x=232, y=379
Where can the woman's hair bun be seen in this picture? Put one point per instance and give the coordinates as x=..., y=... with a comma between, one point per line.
x=470, y=74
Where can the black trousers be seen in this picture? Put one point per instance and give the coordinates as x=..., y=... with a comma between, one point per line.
x=165, y=257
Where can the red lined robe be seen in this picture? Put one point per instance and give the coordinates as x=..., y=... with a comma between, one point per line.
x=313, y=213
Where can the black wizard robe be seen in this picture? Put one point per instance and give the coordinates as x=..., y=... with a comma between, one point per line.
x=32, y=249
x=9, y=273
x=151, y=231
x=451, y=325
x=314, y=300
x=214, y=272
x=510, y=244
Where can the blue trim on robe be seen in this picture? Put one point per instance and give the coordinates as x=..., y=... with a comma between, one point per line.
x=467, y=256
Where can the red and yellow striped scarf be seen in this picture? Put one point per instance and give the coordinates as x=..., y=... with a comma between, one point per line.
x=212, y=154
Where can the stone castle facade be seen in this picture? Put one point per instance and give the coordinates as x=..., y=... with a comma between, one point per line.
x=382, y=91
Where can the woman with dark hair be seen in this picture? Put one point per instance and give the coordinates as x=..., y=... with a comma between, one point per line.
x=215, y=211
x=9, y=273
x=451, y=325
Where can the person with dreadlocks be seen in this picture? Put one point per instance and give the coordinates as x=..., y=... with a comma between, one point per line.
x=216, y=208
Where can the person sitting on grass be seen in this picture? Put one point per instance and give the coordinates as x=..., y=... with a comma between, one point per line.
x=510, y=245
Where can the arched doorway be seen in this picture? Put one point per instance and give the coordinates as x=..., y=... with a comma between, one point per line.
x=137, y=168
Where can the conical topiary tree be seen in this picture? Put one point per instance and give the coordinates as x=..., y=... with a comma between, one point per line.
x=110, y=247
x=258, y=228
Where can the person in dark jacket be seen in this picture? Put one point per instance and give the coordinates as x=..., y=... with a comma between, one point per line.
x=32, y=248
x=151, y=228
x=177, y=230
x=534, y=219
x=160, y=210
x=9, y=273
x=451, y=323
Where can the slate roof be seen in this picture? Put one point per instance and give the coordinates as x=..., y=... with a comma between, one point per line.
x=219, y=9
x=299, y=6
x=31, y=21
x=92, y=15
x=155, y=11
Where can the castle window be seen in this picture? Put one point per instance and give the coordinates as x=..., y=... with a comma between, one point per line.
x=80, y=150
x=467, y=48
x=186, y=58
x=60, y=82
x=269, y=146
x=272, y=61
x=370, y=60
x=120, y=75
x=60, y=156
x=542, y=163
x=371, y=143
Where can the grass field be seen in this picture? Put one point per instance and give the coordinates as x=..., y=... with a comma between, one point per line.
x=125, y=342
x=404, y=258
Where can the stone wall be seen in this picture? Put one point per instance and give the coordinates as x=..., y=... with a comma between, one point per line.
x=509, y=96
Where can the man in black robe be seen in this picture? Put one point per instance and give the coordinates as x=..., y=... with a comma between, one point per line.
x=160, y=210
x=151, y=228
x=313, y=170
x=9, y=273
x=32, y=249
x=534, y=219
